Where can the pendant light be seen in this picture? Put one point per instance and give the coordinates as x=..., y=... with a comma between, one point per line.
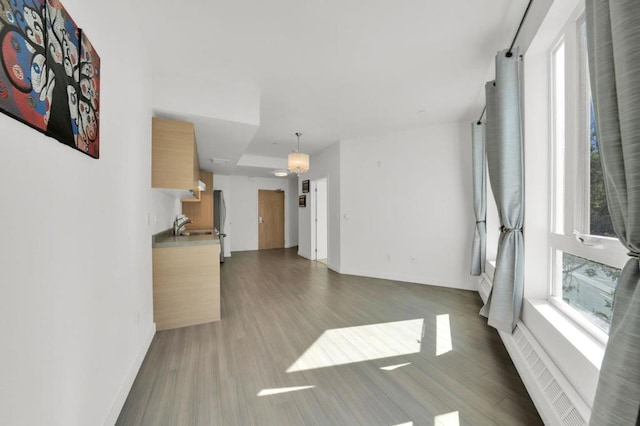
x=298, y=162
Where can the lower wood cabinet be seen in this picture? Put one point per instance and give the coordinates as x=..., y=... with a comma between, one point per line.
x=186, y=285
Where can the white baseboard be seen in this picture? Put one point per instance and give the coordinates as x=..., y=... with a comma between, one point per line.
x=557, y=402
x=334, y=268
x=304, y=255
x=330, y=266
x=408, y=279
x=130, y=378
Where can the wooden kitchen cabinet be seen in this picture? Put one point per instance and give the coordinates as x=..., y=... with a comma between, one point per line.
x=174, y=155
x=186, y=285
x=201, y=213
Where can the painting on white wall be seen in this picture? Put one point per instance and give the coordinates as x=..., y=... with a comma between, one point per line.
x=49, y=73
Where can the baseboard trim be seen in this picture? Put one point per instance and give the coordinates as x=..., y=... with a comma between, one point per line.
x=334, y=268
x=130, y=378
x=304, y=255
x=409, y=279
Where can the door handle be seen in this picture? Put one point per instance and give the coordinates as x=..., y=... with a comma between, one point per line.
x=260, y=220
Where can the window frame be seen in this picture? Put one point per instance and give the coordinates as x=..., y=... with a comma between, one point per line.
x=570, y=164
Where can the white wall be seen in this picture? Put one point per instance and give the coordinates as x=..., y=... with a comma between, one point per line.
x=324, y=164
x=165, y=207
x=406, y=206
x=75, y=253
x=319, y=214
x=241, y=195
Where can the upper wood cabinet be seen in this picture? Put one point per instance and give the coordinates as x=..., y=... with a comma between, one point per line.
x=174, y=155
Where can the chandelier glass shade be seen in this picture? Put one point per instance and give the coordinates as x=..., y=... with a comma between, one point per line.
x=298, y=162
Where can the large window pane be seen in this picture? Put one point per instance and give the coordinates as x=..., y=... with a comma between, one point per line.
x=599, y=219
x=588, y=287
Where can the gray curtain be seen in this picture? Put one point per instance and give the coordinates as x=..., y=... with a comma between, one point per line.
x=505, y=161
x=479, y=248
x=613, y=31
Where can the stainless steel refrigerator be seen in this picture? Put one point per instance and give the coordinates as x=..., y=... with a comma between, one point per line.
x=219, y=217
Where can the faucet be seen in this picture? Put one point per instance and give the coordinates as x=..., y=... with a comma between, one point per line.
x=178, y=225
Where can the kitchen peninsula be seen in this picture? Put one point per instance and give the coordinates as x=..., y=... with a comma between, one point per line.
x=186, y=279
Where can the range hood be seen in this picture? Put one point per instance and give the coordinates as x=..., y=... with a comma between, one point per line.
x=195, y=194
x=186, y=195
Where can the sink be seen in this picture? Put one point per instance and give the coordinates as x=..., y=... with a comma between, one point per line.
x=193, y=233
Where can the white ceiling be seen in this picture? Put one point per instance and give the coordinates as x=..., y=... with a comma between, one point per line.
x=251, y=73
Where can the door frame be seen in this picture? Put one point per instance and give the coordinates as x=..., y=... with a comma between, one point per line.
x=313, y=228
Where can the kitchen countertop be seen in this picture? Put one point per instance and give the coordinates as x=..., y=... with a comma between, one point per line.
x=166, y=239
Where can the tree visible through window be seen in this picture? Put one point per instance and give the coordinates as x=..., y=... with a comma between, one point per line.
x=599, y=219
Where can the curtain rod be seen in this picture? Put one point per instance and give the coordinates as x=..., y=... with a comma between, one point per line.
x=482, y=115
x=509, y=54
x=515, y=37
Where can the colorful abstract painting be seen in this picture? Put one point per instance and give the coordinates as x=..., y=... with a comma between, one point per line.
x=88, y=136
x=49, y=73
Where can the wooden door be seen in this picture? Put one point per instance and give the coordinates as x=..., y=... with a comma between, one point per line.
x=270, y=219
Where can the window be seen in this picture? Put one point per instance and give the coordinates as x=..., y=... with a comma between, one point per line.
x=599, y=218
x=586, y=255
x=588, y=287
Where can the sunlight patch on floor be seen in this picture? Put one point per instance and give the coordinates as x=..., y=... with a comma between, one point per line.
x=361, y=343
x=443, y=335
x=404, y=424
x=393, y=367
x=276, y=391
x=449, y=419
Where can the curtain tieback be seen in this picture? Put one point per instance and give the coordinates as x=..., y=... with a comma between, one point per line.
x=634, y=255
x=480, y=221
x=504, y=229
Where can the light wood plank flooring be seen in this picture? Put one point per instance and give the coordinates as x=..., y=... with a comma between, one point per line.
x=359, y=351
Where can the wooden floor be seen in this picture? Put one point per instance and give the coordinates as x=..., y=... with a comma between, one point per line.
x=359, y=351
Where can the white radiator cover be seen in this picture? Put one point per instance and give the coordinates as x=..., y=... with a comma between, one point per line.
x=556, y=400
